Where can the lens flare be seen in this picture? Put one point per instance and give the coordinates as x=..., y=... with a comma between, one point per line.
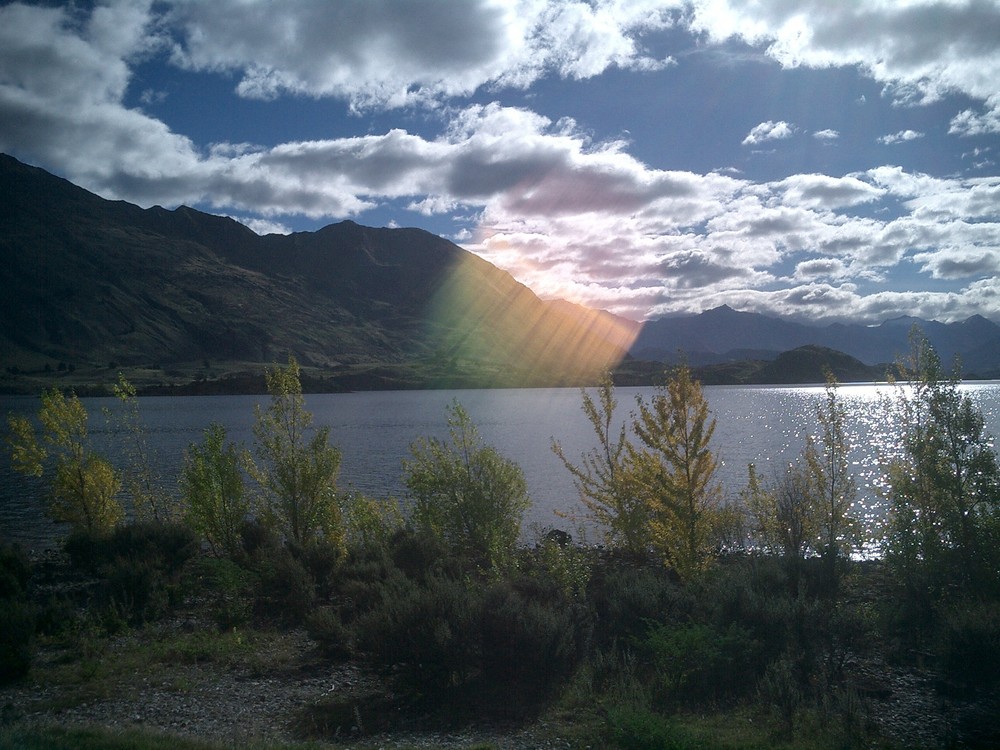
x=489, y=328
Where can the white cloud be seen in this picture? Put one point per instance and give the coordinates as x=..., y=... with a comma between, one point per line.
x=970, y=123
x=921, y=49
x=901, y=137
x=263, y=226
x=566, y=214
x=768, y=131
x=395, y=54
x=824, y=192
x=826, y=135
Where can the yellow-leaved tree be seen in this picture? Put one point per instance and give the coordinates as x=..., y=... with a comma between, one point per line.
x=603, y=477
x=673, y=470
x=82, y=484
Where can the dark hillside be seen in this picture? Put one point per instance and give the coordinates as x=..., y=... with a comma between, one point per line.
x=92, y=285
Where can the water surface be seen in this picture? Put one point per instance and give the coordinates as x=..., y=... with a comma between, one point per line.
x=759, y=424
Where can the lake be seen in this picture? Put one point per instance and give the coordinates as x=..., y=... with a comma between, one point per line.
x=760, y=424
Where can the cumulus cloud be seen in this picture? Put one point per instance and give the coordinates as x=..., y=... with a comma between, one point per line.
x=826, y=135
x=901, y=137
x=768, y=131
x=921, y=50
x=396, y=54
x=969, y=122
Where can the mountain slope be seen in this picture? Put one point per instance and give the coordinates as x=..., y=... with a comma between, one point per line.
x=92, y=285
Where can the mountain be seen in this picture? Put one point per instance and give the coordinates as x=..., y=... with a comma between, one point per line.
x=725, y=335
x=92, y=286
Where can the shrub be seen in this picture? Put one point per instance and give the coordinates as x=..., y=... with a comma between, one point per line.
x=17, y=615
x=627, y=599
x=970, y=643
x=427, y=633
x=230, y=586
x=779, y=689
x=140, y=565
x=566, y=566
x=15, y=572
x=17, y=638
x=420, y=555
x=467, y=494
x=213, y=491
x=638, y=728
x=697, y=662
x=286, y=591
x=530, y=640
x=137, y=587
x=326, y=627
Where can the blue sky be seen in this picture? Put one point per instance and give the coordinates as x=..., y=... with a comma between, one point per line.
x=815, y=159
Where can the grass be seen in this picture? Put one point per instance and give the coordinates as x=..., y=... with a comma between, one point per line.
x=92, y=738
x=62, y=738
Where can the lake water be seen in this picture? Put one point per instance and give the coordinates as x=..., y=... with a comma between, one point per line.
x=763, y=425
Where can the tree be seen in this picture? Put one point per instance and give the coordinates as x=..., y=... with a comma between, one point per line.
x=214, y=493
x=83, y=485
x=297, y=473
x=806, y=510
x=944, y=522
x=467, y=493
x=782, y=511
x=674, y=468
x=141, y=479
x=603, y=477
x=831, y=484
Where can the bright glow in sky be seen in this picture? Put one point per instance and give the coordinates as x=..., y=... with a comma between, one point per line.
x=822, y=160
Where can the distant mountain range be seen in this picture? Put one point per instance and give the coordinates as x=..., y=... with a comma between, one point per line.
x=723, y=335
x=92, y=286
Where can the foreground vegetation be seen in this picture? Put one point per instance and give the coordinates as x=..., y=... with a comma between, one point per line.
x=702, y=620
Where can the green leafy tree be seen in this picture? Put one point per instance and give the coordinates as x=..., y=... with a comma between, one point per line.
x=782, y=511
x=140, y=478
x=674, y=470
x=603, y=477
x=806, y=510
x=832, y=488
x=213, y=491
x=297, y=471
x=944, y=524
x=467, y=493
x=82, y=484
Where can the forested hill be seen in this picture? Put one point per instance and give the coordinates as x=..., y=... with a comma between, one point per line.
x=92, y=286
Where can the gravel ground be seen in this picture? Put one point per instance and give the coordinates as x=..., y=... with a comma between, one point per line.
x=236, y=704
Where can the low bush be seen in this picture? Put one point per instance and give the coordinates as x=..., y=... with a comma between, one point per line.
x=335, y=639
x=699, y=663
x=286, y=591
x=627, y=599
x=17, y=638
x=17, y=615
x=229, y=587
x=139, y=564
x=427, y=633
x=969, y=643
x=638, y=728
x=532, y=637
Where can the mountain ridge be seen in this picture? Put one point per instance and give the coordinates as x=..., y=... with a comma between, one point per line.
x=709, y=338
x=95, y=285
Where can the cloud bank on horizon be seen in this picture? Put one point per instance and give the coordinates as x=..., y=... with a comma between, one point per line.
x=815, y=160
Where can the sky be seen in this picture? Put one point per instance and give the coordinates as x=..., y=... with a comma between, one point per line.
x=826, y=161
